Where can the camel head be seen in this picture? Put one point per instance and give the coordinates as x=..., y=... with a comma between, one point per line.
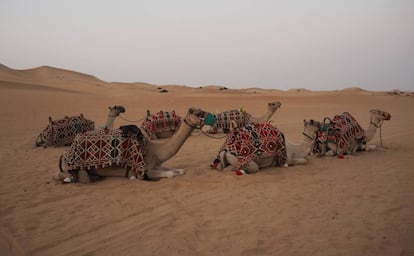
x=378, y=116
x=116, y=110
x=195, y=117
x=311, y=128
x=273, y=106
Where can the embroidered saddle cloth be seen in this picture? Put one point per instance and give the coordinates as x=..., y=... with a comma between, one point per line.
x=341, y=130
x=103, y=148
x=162, y=121
x=256, y=141
x=62, y=132
x=223, y=119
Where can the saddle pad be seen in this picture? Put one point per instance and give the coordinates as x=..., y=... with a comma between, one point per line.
x=224, y=119
x=161, y=122
x=103, y=148
x=256, y=141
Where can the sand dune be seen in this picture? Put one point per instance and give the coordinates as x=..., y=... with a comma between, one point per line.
x=360, y=205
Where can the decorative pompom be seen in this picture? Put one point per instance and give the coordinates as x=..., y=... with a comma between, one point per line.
x=341, y=156
x=240, y=172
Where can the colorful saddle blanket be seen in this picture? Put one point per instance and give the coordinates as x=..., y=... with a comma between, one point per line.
x=161, y=122
x=62, y=131
x=103, y=148
x=224, y=119
x=256, y=141
x=341, y=130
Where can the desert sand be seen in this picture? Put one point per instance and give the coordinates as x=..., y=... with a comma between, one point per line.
x=359, y=205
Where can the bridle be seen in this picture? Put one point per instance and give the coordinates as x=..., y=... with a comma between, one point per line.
x=203, y=114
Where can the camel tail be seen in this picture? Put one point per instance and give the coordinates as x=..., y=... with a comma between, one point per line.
x=60, y=164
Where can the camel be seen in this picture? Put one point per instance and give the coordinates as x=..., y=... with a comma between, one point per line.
x=61, y=132
x=343, y=134
x=154, y=153
x=257, y=146
x=228, y=120
x=161, y=125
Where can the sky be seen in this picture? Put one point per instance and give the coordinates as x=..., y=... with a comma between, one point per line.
x=272, y=44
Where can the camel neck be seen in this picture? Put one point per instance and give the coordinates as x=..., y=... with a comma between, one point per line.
x=110, y=121
x=162, y=150
x=370, y=132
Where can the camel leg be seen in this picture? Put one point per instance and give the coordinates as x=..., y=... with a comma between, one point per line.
x=164, y=172
x=298, y=161
x=251, y=167
x=228, y=161
x=370, y=147
x=83, y=177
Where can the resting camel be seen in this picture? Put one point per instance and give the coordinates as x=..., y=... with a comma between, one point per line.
x=228, y=120
x=153, y=153
x=257, y=146
x=343, y=135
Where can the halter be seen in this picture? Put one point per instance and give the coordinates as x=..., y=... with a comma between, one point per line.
x=131, y=121
x=193, y=126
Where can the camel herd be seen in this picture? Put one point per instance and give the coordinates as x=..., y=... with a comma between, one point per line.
x=251, y=143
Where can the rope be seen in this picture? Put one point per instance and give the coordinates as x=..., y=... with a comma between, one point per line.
x=379, y=125
x=213, y=137
x=382, y=146
x=132, y=121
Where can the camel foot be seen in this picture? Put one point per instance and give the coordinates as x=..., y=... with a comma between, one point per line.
x=83, y=177
x=285, y=165
x=60, y=176
x=179, y=172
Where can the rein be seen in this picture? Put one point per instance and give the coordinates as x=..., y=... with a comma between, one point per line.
x=200, y=126
x=131, y=121
x=213, y=137
x=308, y=136
x=379, y=125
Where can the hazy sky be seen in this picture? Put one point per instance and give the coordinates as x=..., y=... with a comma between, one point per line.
x=312, y=44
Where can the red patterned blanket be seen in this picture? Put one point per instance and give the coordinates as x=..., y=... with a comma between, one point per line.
x=341, y=130
x=224, y=120
x=62, y=132
x=255, y=141
x=161, y=122
x=103, y=148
